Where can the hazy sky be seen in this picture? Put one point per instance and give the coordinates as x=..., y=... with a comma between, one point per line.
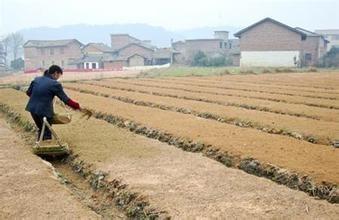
x=170, y=14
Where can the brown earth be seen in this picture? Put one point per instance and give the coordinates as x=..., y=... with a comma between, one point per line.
x=28, y=187
x=317, y=161
x=322, y=130
x=251, y=84
x=325, y=103
x=283, y=108
x=201, y=82
x=187, y=185
x=326, y=81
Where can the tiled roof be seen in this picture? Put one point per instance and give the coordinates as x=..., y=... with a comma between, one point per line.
x=270, y=20
x=49, y=43
x=308, y=33
x=101, y=46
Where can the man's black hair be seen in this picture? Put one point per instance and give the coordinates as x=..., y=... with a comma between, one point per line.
x=55, y=68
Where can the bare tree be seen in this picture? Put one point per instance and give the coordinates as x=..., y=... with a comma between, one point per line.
x=17, y=41
x=6, y=42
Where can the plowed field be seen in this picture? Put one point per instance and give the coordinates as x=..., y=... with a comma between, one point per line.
x=282, y=127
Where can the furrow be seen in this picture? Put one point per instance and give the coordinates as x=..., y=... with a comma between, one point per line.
x=277, y=108
x=234, y=116
x=227, y=138
x=233, y=87
x=175, y=180
x=289, y=100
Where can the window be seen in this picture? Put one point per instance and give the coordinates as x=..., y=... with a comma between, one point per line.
x=335, y=37
x=51, y=52
x=94, y=65
x=225, y=44
x=303, y=37
x=62, y=50
x=230, y=45
x=308, y=57
x=220, y=44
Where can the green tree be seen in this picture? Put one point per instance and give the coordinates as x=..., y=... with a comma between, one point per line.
x=200, y=59
x=17, y=64
x=331, y=58
x=217, y=61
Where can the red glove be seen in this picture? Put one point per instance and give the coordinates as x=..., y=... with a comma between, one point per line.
x=74, y=105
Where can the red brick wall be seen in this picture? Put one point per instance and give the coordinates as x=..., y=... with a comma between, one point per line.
x=270, y=37
x=120, y=41
x=136, y=49
x=90, y=49
x=42, y=57
x=310, y=45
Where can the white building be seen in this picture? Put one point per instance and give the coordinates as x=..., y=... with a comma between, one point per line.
x=332, y=35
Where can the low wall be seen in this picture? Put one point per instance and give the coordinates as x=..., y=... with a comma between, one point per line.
x=269, y=58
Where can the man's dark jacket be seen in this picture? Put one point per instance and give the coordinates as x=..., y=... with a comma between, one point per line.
x=42, y=91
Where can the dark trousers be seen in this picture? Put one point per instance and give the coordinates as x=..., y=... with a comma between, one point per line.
x=39, y=122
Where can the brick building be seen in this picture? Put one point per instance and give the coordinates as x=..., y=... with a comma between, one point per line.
x=130, y=51
x=162, y=56
x=125, y=50
x=220, y=45
x=96, y=48
x=100, y=56
x=93, y=55
x=43, y=53
x=121, y=40
x=271, y=43
x=332, y=35
x=134, y=48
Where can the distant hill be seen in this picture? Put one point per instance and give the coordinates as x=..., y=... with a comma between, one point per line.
x=101, y=33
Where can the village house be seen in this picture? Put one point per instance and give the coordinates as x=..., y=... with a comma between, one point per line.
x=332, y=35
x=131, y=51
x=93, y=55
x=220, y=45
x=162, y=56
x=271, y=43
x=125, y=51
x=96, y=48
x=43, y=53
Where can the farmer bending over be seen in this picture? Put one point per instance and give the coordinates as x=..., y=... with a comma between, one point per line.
x=41, y=92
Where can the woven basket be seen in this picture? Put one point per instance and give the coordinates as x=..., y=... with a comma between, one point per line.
x=61, y=119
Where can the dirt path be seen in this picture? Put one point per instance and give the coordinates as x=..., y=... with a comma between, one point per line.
x=28, y=188
x=247, y=103
x=322, y=132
